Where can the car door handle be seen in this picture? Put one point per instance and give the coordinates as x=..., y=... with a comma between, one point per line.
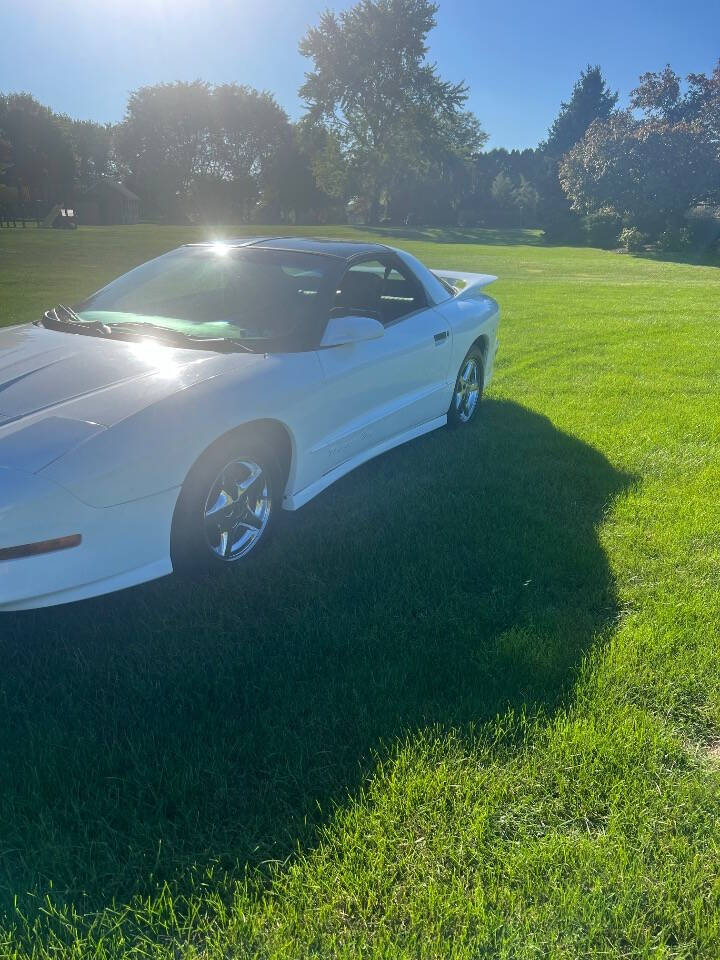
x=441, y=337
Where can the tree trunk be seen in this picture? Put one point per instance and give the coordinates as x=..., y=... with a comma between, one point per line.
x=374, y=212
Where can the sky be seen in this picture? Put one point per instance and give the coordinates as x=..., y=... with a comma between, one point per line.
x=520, y=58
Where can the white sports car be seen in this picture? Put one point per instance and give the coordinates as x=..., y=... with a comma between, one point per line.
x=161, y=424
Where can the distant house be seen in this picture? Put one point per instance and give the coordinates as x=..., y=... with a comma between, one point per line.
x=108, y=203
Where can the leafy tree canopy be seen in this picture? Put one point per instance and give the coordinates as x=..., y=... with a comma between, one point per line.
x=388, y=113
x=651, y=169
x=39, y=158
x=660, y=97
x=648, y=171
x=93, y=147
x=216, y=144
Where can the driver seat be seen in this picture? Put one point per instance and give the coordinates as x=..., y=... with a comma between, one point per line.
x=359, y=294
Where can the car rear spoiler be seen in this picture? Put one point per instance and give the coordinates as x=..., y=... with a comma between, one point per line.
x=466, y=285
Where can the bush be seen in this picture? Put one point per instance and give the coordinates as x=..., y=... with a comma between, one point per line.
x=562, y=227
x=632, y=239
x=676, y=238
x=704, y=227
x=602, y=229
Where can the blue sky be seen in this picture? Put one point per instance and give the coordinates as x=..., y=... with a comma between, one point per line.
x=519, y=58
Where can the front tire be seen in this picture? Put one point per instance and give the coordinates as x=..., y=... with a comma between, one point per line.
x=468, y=388
x=227, y=507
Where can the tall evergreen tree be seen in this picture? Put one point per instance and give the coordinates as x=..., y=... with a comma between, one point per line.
x=591, y=99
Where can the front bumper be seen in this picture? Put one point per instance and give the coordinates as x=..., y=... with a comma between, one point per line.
x=122, y=545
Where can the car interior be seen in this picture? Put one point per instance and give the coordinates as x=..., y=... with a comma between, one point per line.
x=377, y=290
x=261, y=299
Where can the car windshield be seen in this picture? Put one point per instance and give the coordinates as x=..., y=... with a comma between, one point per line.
x=216, y=291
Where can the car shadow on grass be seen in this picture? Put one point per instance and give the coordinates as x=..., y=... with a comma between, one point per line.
x=153, y=733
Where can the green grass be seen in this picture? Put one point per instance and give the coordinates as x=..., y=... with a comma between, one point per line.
x=466, y=706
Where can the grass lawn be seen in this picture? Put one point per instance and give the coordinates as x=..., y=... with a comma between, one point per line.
x=468, y=705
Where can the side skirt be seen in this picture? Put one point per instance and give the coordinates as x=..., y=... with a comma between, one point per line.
x=295, y=500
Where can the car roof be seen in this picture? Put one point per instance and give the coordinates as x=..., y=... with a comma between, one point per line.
x=326, y=246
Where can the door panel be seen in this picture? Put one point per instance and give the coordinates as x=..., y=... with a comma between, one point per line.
x=380, y=388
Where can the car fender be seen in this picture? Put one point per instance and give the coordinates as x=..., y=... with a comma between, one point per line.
x=472, y=320
x=153, y=449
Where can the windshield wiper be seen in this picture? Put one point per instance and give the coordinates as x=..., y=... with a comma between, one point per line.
x=52, y=318
x=177, y=338
x=73, y=323
x=69, y=313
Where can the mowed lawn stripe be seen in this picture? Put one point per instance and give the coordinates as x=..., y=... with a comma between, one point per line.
x=467, y=705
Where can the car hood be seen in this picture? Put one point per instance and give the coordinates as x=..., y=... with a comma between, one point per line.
x=48, y=372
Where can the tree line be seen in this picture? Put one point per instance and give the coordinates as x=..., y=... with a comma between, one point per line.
x=384, y=138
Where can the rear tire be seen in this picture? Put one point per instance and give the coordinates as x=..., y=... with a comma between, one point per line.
x=227, y=508
x=468, y=391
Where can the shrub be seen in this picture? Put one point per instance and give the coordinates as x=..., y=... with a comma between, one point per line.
x=676, y=238
x=602, y=229
x=704, y=227
x=632, y=239
x=562, y=227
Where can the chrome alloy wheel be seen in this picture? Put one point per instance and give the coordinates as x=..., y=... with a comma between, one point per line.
x=467, y=390
x=237, y=509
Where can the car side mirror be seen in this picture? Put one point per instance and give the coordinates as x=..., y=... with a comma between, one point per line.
x=351, y=329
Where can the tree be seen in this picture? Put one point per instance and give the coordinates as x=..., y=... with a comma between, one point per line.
x=523, y=168
x=165, y=140
x=7, y=156
x=659, y=97
x=647, y=171
x=703, y=102
x=290, y=191
x=40, y=163
x=207, y=148
x=591, y=100
x=92, y=146
x=651, y=170
x=433, y=189
x=213, y=199
x=249, y=130
x=526, y=202
x=511, y=203
x=386, y=111
x=502, y=192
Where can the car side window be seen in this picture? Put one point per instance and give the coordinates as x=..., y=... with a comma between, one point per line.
x=360, y=290
x=380, y=290
x=401, y=295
